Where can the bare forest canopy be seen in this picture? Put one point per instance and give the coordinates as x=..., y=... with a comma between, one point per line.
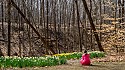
x=39, y=27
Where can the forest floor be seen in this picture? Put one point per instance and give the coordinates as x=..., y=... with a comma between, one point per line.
x=106, y=63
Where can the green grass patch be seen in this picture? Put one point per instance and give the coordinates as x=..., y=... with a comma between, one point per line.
x=31, y=61
x=96, y=54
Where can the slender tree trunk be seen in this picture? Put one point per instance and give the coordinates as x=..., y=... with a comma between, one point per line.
x=1, y=54
x=47, y=21
x=41, y=12
x=104, y=9
x=78, y=18
x=100, y=19
x=64, y=17
x=91, y=34
x=115, y=21
x=2, y=20
x=59, y=29
x=73, y=25
x=9, y=26
x=119, y=5
x=92, y=25
x=123, y=5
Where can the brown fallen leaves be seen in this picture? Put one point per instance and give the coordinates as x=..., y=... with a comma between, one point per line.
x=110, y=58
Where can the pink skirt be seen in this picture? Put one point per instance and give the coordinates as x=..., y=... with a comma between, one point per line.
x=85, y=62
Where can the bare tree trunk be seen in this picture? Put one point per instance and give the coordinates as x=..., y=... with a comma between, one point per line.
x=115, y=21
x=64, y=22
x=2, y=21
x=78, y=18
x=59, y=26
x=91, y=34
x=104, y=9
x=100, y=18
x=9, y=26
x=1, y=54
x=119, y=5
x=73, y=24
x=123, y=5
x=92, y=25
x=47, y=21
x=54, y=19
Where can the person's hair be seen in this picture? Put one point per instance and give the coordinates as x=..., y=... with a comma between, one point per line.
x=85, y=51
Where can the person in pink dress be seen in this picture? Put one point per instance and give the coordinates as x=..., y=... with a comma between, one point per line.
x=85, y=60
